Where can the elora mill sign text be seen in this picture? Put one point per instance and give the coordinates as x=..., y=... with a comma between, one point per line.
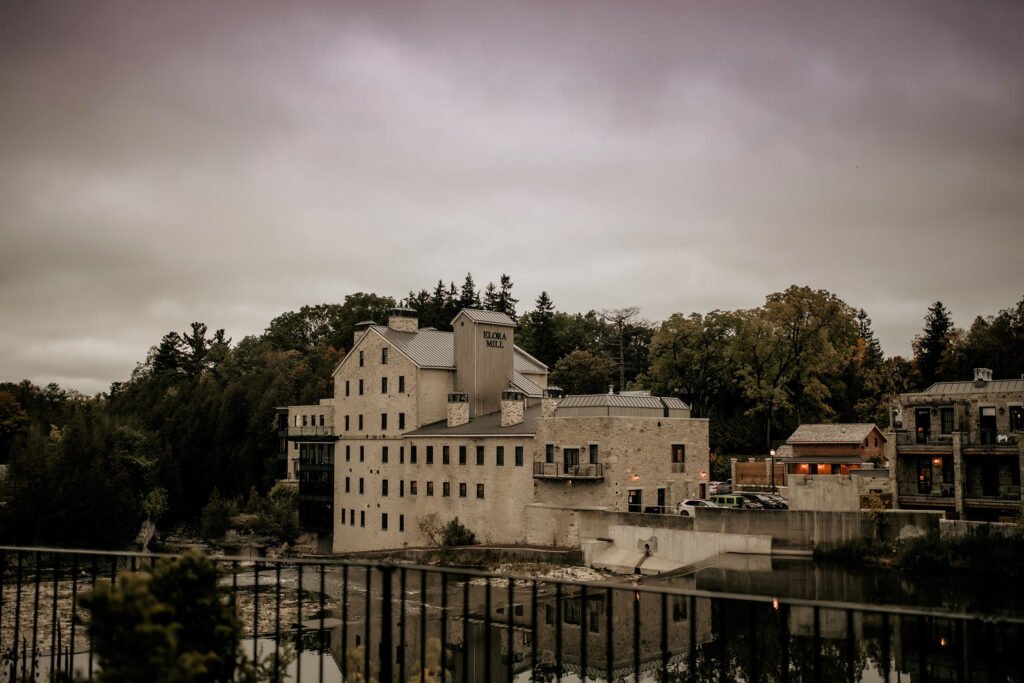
x=495, y=339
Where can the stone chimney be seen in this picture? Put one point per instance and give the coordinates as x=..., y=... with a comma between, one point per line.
x=403, y=320
x=458, y=409
x=360, y=328
x=982, y=376
x=550, y=401
x=512, y=407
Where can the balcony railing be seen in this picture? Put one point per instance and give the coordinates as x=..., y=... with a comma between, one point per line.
x=992, y=439
x=940, y=490
x=397, y=622
x=311, y=431
x=907, y=438
x=557, y=470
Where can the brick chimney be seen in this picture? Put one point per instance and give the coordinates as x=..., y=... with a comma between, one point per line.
x=512, y=408
x=403, y=320
x=458, y=409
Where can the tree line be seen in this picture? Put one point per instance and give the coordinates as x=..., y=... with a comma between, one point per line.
x=197, y=414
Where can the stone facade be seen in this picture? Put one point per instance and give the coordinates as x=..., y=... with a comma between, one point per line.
x=634, y=453
x=405, y=450
x=959, y=446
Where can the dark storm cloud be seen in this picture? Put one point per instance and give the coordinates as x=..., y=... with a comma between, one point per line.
x=169, y=162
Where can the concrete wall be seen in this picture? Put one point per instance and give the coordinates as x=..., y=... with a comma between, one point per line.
x=805, y=529
x=834, y=492
x=656, y=542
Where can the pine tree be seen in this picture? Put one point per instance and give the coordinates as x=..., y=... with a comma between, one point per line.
x=490, y=299
x=469, y=297
x=503, y=301
x=930, y=347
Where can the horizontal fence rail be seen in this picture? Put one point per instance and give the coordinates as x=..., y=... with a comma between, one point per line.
x=372, y=621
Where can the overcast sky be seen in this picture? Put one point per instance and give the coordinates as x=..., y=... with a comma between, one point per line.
x=164, y=162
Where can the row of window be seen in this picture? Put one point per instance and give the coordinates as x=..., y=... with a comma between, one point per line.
x=446, y=488
x=309, y=420
x=383, y=356
x=571, y=456
x=499, y=455
x=316, y=453
x=361, y=387
x=383, y=422
x=351, y=516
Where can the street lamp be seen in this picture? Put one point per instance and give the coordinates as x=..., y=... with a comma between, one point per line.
x=772, y=453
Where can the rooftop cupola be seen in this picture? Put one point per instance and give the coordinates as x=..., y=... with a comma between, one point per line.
x=403, y=319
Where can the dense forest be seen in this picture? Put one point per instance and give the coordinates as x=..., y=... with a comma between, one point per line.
x=196, y=416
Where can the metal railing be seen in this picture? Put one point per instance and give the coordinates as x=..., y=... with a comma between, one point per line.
x=385, y=622
x=311, y=431
x=557, y=470
x=908, y=438
x=991, y=439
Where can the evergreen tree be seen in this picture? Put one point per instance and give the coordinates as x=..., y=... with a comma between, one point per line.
x=469, y=297
x=490, y=300
x=930, y=347
x=503, y=300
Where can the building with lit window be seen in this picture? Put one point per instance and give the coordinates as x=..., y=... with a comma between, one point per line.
x=464, y=424
x=959, y=447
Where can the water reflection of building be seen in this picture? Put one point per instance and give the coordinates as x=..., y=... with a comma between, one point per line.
x=477, y=643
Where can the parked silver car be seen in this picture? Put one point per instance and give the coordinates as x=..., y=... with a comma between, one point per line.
x=687, y=507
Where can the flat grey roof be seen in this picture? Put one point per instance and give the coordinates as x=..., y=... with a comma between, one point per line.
x=484, y=425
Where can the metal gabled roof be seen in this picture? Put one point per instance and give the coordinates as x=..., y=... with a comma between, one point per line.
x=524, y=362
x=618, y=401
x=528, y=387
x=426, y=348
x=993, y=386
x=489, y=317
x=833, y=433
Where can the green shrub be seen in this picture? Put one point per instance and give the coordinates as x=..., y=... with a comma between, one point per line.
x=456, y=534
x=216, y=517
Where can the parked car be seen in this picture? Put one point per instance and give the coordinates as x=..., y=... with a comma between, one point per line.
x=730, y=500
x=782, y=503
x=686, y=508
x=717, y=487
x=766, y=501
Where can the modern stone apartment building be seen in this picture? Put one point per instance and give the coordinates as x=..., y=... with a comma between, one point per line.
x=463, y=424
x=959, y=446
